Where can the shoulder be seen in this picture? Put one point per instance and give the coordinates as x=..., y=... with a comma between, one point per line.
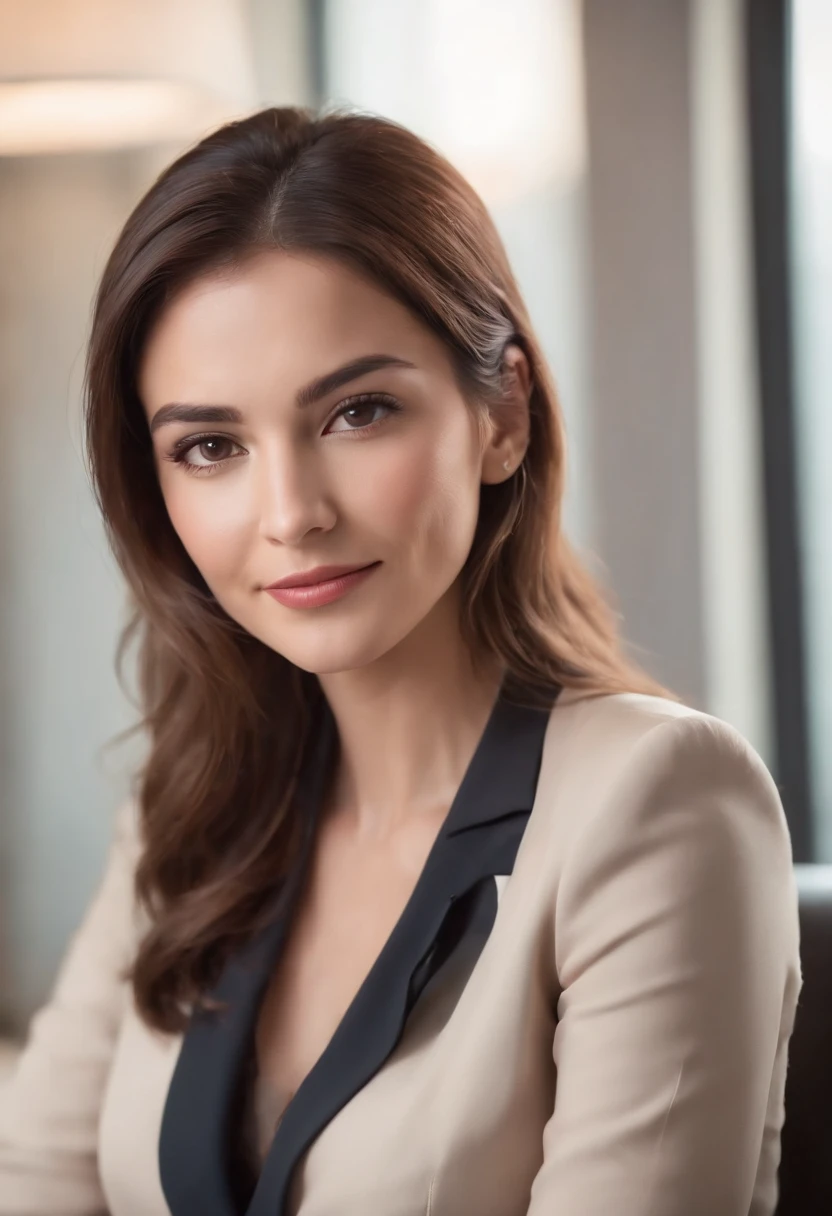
x=126, y=841
x=115, y=906
x=615, y=721
x=624, y=770
x=661, y=825
x=614, y=734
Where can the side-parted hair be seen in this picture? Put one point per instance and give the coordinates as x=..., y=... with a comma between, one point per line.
x=227, y=718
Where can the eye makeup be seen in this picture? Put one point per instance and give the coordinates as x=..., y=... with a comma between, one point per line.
x=179, y=452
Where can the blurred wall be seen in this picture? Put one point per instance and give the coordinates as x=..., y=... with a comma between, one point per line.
x=61, y=604
x=643, y=360
x=673, y=411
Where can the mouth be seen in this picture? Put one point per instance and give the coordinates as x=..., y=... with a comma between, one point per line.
x=314, y=588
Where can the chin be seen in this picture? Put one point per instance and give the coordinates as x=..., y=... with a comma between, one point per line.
x=331, y=660
x=328, y=654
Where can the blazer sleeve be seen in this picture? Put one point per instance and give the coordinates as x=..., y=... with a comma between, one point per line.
x=49, y=1109
x=676, y=940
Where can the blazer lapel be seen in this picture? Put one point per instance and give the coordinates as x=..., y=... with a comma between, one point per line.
x=196, y=1130
x=452, y=907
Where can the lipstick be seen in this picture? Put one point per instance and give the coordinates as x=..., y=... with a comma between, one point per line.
x=323, y=585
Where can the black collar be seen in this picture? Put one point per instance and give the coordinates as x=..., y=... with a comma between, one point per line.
x=480, y=838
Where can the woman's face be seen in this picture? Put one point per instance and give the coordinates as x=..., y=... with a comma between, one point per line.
x=302, y=418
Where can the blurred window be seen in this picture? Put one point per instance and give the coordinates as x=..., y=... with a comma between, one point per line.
x=809, y=50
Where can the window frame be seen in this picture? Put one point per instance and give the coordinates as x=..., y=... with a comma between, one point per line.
x=768, y=80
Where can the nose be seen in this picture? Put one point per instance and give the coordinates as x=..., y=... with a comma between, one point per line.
x=293, y=498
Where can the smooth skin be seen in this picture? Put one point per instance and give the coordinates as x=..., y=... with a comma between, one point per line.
x=384, y=468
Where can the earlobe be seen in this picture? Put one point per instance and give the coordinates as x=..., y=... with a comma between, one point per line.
x=497, y=466
x=493, y=472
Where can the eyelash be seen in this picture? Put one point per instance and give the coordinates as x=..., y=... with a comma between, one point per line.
x=181, y=448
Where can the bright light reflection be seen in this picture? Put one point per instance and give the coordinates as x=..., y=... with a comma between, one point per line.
x=38, y=117
x=812, y=52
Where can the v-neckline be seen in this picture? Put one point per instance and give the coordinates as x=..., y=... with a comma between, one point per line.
x=479, y=838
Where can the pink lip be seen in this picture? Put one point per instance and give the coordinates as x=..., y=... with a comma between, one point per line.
x=319, y=586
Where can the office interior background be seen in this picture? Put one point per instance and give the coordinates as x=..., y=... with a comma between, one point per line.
x=661, y=173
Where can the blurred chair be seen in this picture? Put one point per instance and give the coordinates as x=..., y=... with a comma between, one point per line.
x=806, y=1164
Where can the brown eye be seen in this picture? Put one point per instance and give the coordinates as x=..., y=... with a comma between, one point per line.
x=359, y=415
x=204, y=454
x=213, y=449
x=364, y=413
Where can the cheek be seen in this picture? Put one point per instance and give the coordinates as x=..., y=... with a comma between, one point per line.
x=427, y=494
x=213, y=523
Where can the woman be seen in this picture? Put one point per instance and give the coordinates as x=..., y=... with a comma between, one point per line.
x=427, y=901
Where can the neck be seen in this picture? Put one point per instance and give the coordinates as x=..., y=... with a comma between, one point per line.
x=408, y=725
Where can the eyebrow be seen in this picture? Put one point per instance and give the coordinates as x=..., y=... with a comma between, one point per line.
x=306, y=396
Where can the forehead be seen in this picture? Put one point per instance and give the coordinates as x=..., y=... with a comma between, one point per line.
x=277, y=316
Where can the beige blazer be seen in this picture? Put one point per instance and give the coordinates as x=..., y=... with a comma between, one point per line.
x=584, y=1009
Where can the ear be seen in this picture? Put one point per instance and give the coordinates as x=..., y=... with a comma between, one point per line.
x=509, y=420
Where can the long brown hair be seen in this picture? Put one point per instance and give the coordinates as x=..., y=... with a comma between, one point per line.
x=227, y=718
